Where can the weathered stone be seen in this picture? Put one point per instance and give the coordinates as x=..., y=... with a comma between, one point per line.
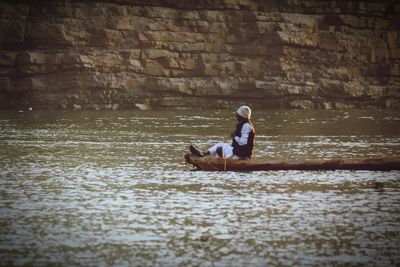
x=5, y=84
x=354, y=89
x=327, y=105
x=104, y=37
x=392, y=103
x=13, y=10
x=30, y=84
x=393, y=91
x=302, y=104
x=376, y=92
x=115, y=107
x=329, y=41
x=299, y=38
x=76, y=107
x=273, y=54
x=170, y=101
x=7, y=71
x=91, y=106
x=130, y=54
x=393, y=39
x=154, y=68
x=47, y=34
x=12, y=32
x=77, y=61
x=7, y=58
x=188, y=64
x=125, y=23
x=174, y=85
x=31, y=58
x=342, y=105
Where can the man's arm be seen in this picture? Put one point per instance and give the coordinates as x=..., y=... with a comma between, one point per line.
x=246, y=129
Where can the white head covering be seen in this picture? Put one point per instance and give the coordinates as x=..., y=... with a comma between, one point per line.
x=244, y=112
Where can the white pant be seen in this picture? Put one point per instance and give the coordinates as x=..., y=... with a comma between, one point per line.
x=227, y=151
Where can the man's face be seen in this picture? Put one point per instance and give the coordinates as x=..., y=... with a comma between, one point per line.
x=238, y=118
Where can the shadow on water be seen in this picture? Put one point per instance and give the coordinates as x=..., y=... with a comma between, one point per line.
x=111, y=188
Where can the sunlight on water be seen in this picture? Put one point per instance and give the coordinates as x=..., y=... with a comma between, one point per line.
x=111, y=189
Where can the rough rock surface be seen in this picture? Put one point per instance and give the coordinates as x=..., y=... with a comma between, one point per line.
x=205, y=53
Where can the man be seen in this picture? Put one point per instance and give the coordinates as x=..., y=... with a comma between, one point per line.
x=242, y=139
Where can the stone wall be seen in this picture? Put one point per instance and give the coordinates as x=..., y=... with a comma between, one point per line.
x=206, y=53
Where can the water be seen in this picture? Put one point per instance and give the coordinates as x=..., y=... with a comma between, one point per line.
x=111, y=189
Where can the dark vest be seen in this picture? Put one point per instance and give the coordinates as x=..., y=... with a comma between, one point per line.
x=245, y=151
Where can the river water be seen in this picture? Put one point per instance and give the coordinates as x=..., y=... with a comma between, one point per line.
x=111, y=189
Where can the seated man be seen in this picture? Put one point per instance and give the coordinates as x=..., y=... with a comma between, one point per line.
x=242, y=140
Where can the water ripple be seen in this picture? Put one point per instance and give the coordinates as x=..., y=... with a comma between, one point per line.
x=111, y=189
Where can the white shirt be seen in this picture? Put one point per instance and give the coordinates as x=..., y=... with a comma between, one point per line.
x=246, y=129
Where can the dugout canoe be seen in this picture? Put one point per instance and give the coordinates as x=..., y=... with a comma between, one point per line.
x=218, y=164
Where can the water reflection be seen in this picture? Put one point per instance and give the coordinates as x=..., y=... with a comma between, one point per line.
x=110, y=188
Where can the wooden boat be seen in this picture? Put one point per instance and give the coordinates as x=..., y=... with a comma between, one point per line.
x=218, y=164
